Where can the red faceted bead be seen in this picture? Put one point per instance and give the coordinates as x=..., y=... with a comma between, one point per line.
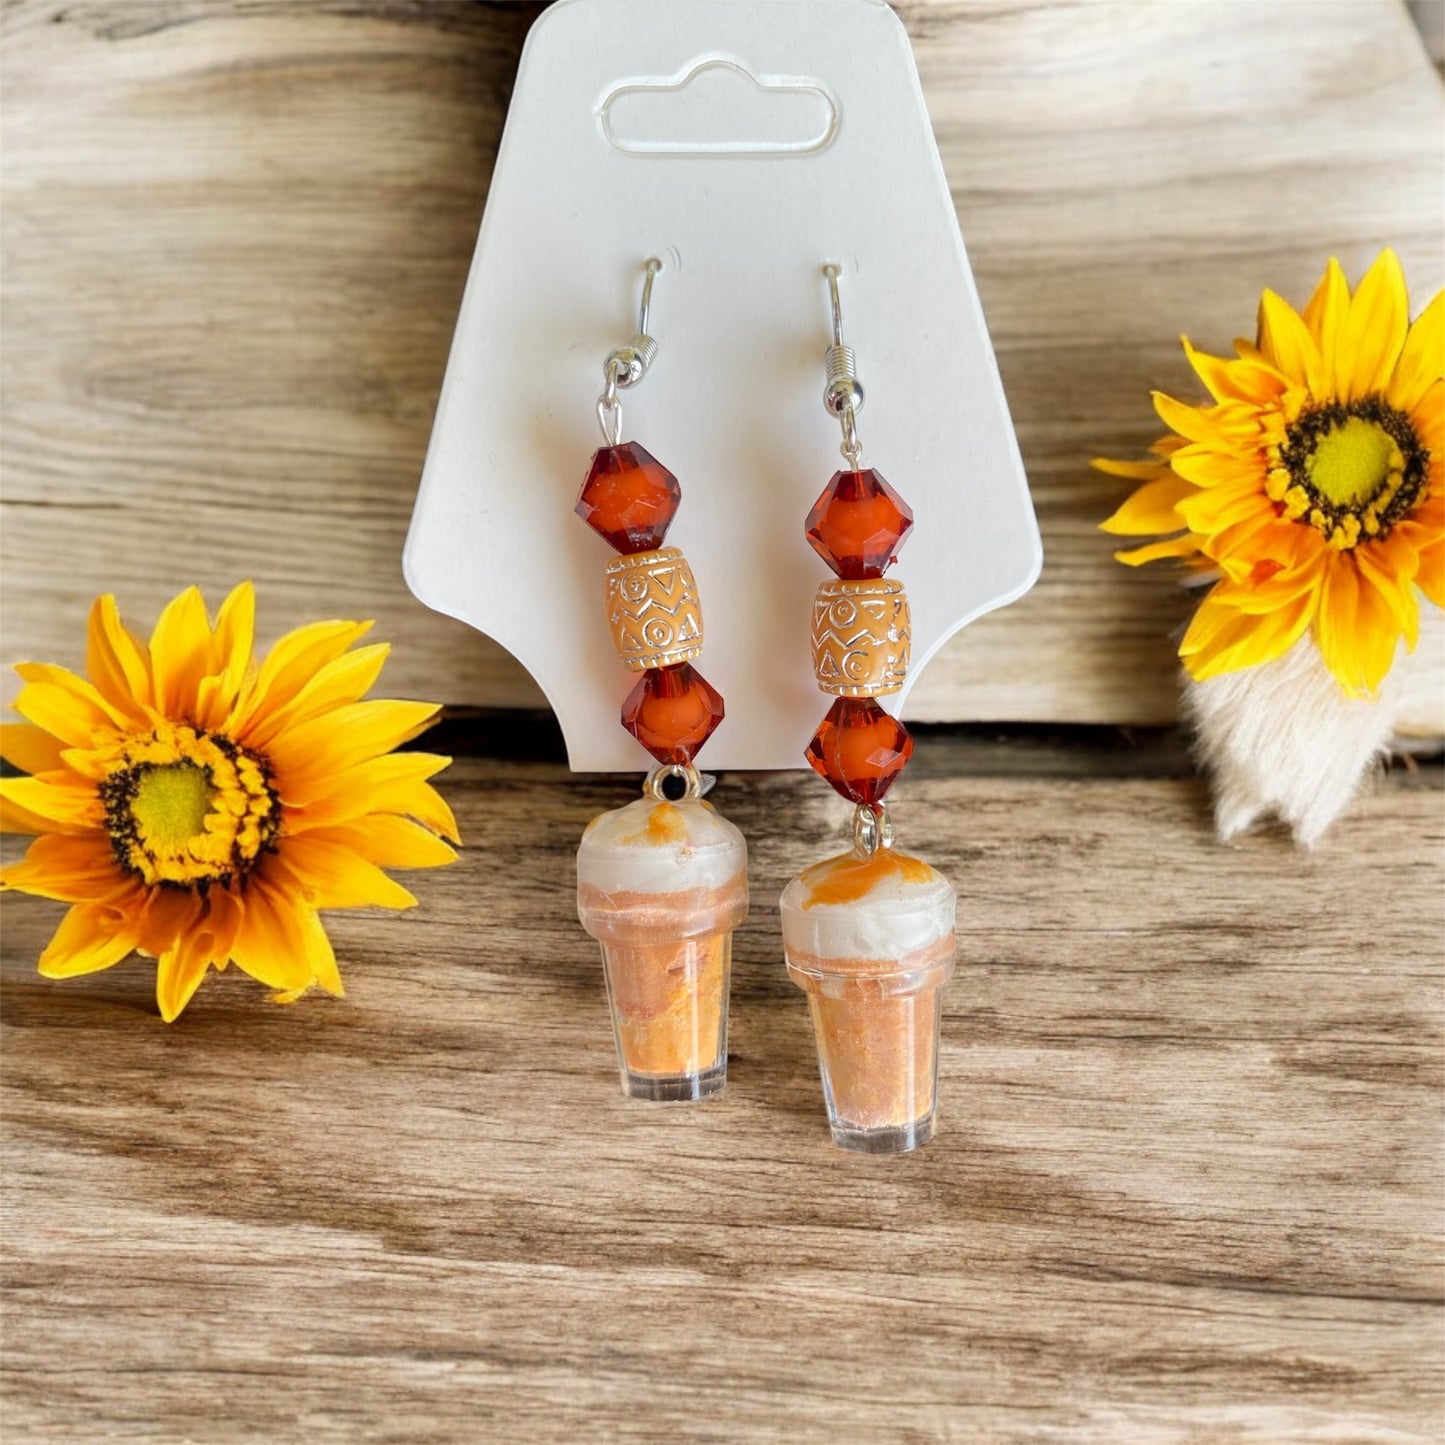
x=858, y=524
x=629, y=498
x=672, y=712
x=860, y=749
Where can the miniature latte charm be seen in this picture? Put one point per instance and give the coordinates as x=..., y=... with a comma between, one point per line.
x=870, y=940
x=662, y=885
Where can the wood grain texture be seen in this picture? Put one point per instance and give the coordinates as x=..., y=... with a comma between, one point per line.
x=1188, y=1184
x=236, y=234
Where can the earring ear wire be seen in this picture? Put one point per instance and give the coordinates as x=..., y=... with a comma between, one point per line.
x=842, y=391
x=627, y=365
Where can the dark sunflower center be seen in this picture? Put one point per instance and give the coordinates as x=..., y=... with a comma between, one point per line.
x=1350, y=470
x=188, y=808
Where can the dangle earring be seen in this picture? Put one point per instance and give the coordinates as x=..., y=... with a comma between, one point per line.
x=662, y=882
x=868, y=935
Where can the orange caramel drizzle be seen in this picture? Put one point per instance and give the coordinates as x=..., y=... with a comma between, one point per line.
x=847, y=878
x=665, y=826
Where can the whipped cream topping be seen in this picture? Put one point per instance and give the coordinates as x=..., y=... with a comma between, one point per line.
x=894, y=908
x=653, y=847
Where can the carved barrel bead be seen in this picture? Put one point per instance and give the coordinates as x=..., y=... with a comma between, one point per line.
x=653, y=609
x=861, y=637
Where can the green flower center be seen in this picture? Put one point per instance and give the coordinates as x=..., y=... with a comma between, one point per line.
x=1351, y=470
x=186, y=808
x=171, y=804
x=1352, y=462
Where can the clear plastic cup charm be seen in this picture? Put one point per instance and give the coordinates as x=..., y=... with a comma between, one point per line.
x=661, y=885
x=871, y=942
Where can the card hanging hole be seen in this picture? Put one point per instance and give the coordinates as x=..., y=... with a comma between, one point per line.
x=718, y=107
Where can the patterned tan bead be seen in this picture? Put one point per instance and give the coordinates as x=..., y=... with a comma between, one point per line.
x=861, y=637
x=653, y=609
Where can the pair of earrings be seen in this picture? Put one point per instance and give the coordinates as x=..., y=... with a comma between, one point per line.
x=662, y=883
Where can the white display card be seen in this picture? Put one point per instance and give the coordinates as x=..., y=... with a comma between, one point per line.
x=745, y=143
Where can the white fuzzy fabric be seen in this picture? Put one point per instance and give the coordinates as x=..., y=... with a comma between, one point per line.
x=1284, y=738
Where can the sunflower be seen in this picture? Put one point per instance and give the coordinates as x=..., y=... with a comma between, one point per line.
x=198, y=809
x=1311, y=488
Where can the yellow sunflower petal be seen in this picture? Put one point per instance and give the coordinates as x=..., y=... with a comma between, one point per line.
x=1184, y=545
x=1325, y=314
x=235, y=631
x=1208, y=468
x=229, y=658
x=1212, y=509
x=91, y=936
x=1230, y=380
x=1202, y=424
x=345, y=679
x=69, y=867
x=1430, y=579
x=117, y=666
x=1428, y=419
x=291, y=663
x=15, y=819
x=272, y=941
x=1286, y=342
x=1422, y=358
x=1269, y=591
x=1374, y=331
x=1264, y=538
x=320, y=956
x=1397, y=594
x=394, y=783
x=329, y=875
x=1227, y=640
x=304, y=757
x=67, y=807
x=389, y=842
x=179, y=972
x=180, y=649
x=165, y=917
x=66, y=706
x=1354, y=629
x=1149, y=471
x=1151, y=509
x=26, y=746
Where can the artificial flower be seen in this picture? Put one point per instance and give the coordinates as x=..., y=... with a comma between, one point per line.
x=1311, y=489
x=196, y=808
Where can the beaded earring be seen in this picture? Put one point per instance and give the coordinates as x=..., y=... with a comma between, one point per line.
x=868, y=935
x=662, y=882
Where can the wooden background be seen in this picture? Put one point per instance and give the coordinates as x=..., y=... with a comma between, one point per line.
x=236, y=236
x=1188, y=1185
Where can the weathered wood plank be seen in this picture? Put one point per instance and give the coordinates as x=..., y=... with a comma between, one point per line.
x=1188, y=1185
x=236, y=234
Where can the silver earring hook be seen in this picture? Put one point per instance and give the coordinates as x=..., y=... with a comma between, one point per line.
x=832, y=271
x=627, y=365
x=842, y=392
x=652, y=266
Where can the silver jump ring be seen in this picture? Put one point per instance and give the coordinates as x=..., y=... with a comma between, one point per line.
x=692, y=780
x=872, y=829
x=609, y=418
x=609, y=404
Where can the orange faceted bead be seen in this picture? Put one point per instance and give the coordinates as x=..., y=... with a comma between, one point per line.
x=629, y=498
x=672, y=712
x=858, y=524
x=860, y=749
